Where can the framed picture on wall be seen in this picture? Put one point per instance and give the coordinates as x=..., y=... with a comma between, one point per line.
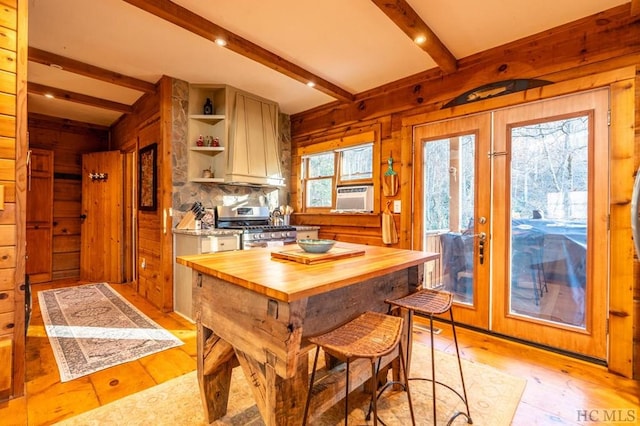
x=148, y=177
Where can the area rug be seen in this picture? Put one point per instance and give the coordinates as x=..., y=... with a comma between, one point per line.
x=92, y=327
x=493, y=397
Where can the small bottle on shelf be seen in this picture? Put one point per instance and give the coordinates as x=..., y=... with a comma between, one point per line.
x=200, y=141
x=208, y=107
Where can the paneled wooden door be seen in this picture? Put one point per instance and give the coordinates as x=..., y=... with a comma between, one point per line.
x=550, y=213
x=102, y=252
x=452, y=187
x=39, y=230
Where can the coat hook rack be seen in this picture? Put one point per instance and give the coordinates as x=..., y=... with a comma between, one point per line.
x=98, y=176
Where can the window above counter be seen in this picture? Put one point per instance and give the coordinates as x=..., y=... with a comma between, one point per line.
x=329, y=167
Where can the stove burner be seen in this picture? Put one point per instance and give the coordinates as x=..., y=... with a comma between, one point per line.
x=265, y=228
x=256, y=226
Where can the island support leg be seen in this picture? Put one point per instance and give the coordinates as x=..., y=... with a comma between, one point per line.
x=216, y=361
x=280, y=401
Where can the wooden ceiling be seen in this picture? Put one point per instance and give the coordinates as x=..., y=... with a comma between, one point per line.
x=399, y=12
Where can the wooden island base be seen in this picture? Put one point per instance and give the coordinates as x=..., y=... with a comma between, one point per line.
x=257, y=312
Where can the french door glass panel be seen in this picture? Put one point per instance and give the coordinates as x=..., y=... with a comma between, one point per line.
x=449, y=209
x=549, y=215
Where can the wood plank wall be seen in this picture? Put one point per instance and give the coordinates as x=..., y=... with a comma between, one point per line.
x=636, y=263
x=147, y=125
x=606, y=41
x=68, y=140
x=13, y=143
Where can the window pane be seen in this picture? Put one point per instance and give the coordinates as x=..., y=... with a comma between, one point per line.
x=436, y=185
x=319, y=193
x=321, y=165
x=549, y=169
x=357, y=163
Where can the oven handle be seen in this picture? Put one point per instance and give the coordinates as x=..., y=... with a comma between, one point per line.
x=256, y=244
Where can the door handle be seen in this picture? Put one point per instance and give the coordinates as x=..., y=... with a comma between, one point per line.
x=482, y=236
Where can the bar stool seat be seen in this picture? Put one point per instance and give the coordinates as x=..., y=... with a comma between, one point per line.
x=371, y=335
x=430, y=302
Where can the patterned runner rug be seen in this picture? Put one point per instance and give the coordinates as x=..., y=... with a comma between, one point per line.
x=92, y=327
x=493, y=399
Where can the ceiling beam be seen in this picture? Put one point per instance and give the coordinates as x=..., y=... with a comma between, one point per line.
x=196, y=24
x=40, y=89
x=77, y=67
x=403, y=15
x=63, y=123
x=635, y=7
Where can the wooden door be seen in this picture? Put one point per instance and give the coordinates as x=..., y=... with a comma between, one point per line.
x=101, y=254
x=550, y=237
x=452, y=178
x=39, y=232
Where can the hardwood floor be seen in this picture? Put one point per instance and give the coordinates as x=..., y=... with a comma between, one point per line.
x=559, y=391
x=48, y=401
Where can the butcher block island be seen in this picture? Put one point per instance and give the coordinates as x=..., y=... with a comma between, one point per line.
x=256, y=310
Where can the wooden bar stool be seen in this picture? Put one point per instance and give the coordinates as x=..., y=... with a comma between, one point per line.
x=371, y=335
x=429, y=303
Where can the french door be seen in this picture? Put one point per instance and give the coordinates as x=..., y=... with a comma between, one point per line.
x=516, y=202
x=452, y=187
x=550, y=211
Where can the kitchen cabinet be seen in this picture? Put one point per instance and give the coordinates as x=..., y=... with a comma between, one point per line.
x=246, y=127
x=193, y=242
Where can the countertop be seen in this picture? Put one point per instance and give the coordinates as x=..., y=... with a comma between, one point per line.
x=207, y=232
x=287, y=280
x=215, y=231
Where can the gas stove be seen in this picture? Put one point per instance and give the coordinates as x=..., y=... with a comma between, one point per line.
x=255, y=223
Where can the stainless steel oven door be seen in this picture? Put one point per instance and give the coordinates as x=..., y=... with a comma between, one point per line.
x=248, y=245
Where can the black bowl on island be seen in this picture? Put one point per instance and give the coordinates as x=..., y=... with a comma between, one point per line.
x=316, y=246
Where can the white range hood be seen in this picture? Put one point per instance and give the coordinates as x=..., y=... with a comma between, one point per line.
x=253, y=156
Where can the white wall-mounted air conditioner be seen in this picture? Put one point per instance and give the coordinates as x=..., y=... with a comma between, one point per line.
x=354, y=198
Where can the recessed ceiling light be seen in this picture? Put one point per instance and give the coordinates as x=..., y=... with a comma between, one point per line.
x=56, y=66
x=49, y=96
x=221, y=42
x=420, y=39
x=311, y=84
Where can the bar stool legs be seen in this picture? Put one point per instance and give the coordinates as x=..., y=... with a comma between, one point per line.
x=372, y=335
x=429, y=303
x=433, y=380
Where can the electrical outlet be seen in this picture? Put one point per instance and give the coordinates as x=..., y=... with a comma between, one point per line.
x=397, y=206
x=143, y=263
